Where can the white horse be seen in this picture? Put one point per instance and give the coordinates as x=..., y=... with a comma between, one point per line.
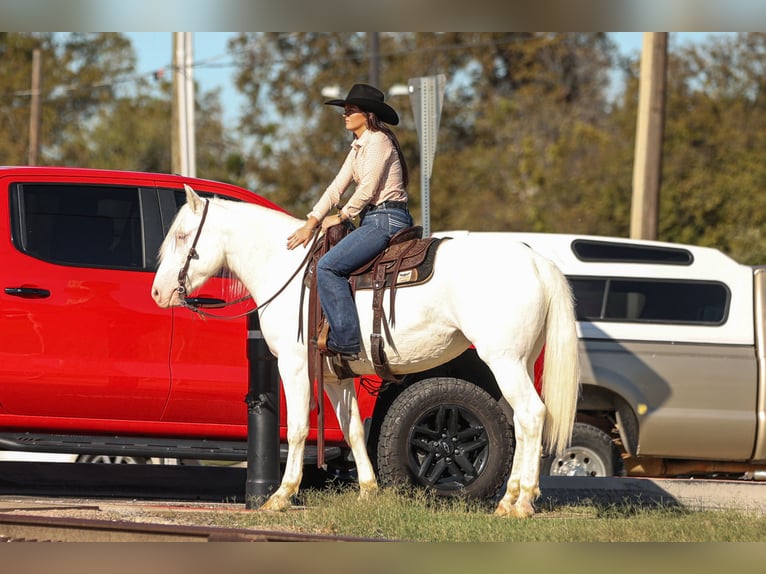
x=494, y=293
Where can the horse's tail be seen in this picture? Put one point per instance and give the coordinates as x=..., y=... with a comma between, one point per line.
x=561, y=369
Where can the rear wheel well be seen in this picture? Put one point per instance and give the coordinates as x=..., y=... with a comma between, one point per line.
x=611, y=413
x=468, y=367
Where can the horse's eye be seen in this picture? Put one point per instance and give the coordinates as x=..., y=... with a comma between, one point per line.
x=178, y=241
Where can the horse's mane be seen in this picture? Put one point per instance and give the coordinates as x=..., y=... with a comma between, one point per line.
x=217, y=203
x=230, y=204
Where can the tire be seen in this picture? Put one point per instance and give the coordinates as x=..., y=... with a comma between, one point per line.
x=591, y=453
x=447, y=435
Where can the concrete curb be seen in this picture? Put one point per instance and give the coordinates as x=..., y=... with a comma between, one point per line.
x=650, y=492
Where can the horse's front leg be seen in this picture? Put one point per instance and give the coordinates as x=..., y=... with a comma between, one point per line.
x=297, y=397
x=343, y=399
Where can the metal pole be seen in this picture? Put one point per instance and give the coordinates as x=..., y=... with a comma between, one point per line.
x=178, y=134
x=183, y=133
x=262, y=418
x=190, y=147
x=426, y=96
x=428, y=141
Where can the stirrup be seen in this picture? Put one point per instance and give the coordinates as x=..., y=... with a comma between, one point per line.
x=321, y=339
x=340, y=367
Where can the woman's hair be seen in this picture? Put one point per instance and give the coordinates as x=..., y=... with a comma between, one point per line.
x=375, y=125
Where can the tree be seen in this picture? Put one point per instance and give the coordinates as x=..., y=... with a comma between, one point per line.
x=713, y=173
x=97, y=111
x=531, y=139
x=79, y=74
x=15, y=95
x=515, y=100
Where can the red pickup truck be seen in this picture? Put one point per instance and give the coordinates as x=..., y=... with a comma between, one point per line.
x=89, y=365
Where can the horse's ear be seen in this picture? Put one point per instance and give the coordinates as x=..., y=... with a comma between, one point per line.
x=195, y=201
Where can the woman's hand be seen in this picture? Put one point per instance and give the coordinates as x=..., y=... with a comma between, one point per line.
x=331, y=220
x=303, y=234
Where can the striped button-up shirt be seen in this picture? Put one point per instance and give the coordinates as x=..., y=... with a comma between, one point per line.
x=373, y=164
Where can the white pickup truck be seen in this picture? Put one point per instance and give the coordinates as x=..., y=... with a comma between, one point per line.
x=673, y=358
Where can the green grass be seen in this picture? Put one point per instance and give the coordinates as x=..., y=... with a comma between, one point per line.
x=416, y=516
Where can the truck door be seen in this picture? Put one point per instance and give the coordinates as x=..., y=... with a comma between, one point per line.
x=81, y=340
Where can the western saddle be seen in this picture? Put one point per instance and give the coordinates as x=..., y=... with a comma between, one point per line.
x=408, y=260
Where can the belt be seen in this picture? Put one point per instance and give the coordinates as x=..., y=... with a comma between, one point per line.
x=388, y=205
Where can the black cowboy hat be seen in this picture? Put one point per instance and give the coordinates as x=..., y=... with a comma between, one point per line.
x=369, y=99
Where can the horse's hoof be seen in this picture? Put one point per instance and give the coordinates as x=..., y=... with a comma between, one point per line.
x=514, y=511
x=503, y=509
x=501, y=512
x=276, y=503
x=523, y=511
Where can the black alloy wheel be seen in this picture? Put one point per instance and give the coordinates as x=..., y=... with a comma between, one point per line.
x=449, y=435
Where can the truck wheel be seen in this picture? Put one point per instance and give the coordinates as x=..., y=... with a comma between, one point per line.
x=591, y=453
x=448, y=435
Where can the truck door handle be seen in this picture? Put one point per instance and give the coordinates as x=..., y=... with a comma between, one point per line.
x=206, y=302
x=27, y=292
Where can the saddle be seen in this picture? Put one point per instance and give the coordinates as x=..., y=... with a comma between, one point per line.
x=408, y=260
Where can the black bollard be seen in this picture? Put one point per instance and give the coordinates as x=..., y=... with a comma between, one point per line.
x=262, y=417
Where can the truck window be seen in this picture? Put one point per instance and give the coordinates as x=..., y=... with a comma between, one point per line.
x=608, y=251
x=650, y=301
x=83, y=225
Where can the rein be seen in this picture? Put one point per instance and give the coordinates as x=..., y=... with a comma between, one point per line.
x=184, y=271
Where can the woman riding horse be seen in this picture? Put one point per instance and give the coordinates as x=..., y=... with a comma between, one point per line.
x=376, y=164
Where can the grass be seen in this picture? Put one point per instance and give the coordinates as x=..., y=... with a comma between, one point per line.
x=417, y=516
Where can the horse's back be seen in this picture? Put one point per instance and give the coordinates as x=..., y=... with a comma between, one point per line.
x=492, y=260
x=494, y=287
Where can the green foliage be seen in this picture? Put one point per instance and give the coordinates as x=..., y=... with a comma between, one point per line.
x=97, y=112
x=714, y=133
x=532, y=137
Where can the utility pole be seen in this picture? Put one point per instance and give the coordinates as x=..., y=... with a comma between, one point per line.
x=183, y=150
x=34, y=110
x=647, y=162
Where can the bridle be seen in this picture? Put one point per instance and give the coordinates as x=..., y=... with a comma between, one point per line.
x=183, y=276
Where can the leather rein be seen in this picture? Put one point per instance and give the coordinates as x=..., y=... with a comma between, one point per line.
x=183, y=276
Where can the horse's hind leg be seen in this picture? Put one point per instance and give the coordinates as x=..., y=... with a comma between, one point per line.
x=523, y=484
x=528, y=418
x=343, y=399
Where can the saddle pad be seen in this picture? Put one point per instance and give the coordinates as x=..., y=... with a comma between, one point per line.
x=417, y=266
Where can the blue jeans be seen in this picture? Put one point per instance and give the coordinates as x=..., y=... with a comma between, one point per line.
x=357, y=248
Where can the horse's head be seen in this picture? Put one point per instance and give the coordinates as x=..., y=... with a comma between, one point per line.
x=191, y=253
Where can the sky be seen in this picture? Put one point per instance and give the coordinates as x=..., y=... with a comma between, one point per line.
x=154, y=51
